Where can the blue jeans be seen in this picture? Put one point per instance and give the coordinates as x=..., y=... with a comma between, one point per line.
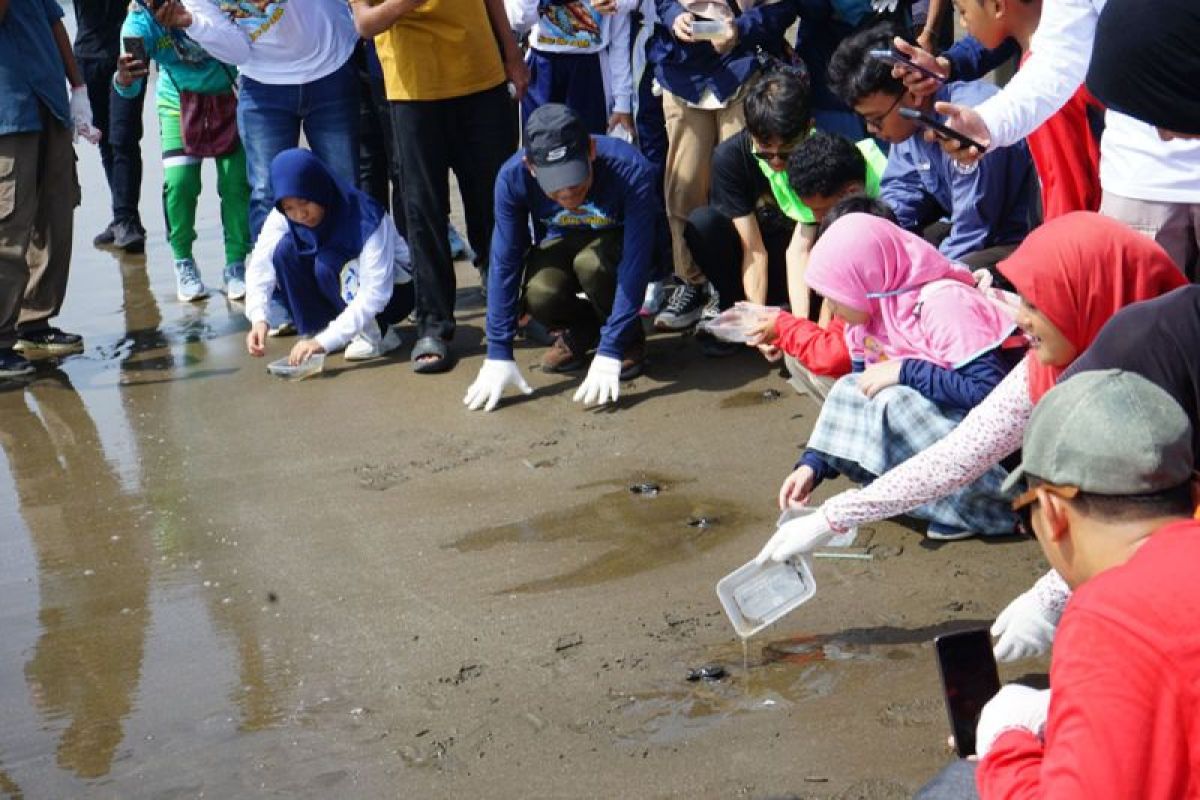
x=955, y=782
x=269, y=120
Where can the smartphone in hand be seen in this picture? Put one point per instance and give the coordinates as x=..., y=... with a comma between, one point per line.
x=969, y=679
x=895, y=58
x=942, y=130
x=136, y=48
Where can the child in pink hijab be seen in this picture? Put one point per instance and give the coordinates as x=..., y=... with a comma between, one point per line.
x=926, y=346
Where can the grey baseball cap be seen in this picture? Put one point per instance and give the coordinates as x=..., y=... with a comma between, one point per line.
x=1107, y=432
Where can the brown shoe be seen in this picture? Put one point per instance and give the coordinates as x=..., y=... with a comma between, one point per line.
x=567, y=354
x=634, y=359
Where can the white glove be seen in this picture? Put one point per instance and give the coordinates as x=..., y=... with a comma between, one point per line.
x=801, y=535
x=1014, y=706
x=603, y=382
x=494, y=377
x=81, y=116
x=1026, y=626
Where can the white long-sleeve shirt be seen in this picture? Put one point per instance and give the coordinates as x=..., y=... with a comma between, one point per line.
x=611, y=42
x=290, y=42
x=1134, y=162
x=1061, y=49
x=366, y=281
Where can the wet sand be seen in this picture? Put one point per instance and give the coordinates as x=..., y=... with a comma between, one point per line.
x=214, y=583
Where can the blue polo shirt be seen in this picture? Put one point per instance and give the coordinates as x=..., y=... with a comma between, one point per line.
x=31, y=69
x=622, y=197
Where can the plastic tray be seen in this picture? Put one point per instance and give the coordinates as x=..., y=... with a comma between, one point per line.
x=754, y=596
x=283, y=369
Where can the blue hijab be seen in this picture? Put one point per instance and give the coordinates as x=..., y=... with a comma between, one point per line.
x=351, y=216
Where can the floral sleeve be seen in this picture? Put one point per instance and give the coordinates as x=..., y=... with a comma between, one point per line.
x=990, y=432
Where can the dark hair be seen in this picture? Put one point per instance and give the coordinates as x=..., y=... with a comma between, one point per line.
x=1173, y=502
x=823, y=164
x=777, y=105
x=853, y=74
x=857, y=203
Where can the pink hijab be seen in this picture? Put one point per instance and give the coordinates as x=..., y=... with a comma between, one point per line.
x=869, y=264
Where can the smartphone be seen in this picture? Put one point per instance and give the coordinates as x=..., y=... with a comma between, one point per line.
x=136, y=48
x=703, y=29
x=897, y=59
x=942, y=130
x=969, y=679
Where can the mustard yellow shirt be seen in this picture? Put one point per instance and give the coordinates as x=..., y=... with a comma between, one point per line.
x=440, y=50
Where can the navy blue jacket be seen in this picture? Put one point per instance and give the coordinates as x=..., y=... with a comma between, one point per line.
x=686, y=70
x=622, y=196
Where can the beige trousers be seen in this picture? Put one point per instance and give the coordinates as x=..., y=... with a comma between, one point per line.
x=38, y=195
x=1175, y=226
x=692, y=135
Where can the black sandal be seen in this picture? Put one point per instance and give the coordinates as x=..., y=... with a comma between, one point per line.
x=431, y=355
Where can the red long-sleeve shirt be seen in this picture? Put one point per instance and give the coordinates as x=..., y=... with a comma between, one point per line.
x=1067, y=158
x=1124, y=719
x=822, y=350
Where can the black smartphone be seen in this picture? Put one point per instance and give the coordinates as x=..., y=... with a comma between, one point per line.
x=136, y=48
x=969, y=679
x=943, y=131
x=897, y=59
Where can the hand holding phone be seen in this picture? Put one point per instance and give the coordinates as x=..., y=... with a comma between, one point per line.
x=897, y=59
x=969, y=679
x=939, y=129
x=136, y=48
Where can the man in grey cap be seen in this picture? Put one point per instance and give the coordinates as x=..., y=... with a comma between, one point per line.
x=593, y=198
x=1108, y=466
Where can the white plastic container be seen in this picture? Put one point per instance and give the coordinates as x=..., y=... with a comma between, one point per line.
x=310, y=367
x=737, y=323
x=754, y=596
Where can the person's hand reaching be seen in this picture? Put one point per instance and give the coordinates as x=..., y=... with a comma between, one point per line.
x=797, y=488
x=256, y=340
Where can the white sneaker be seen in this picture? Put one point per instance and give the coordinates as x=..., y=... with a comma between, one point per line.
x=235, y=281
x=364, y=346
x=188, y=286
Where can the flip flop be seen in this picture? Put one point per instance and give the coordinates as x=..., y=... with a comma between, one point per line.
x=428, y=346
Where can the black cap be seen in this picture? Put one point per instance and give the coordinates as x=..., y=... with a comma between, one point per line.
x=557, y=144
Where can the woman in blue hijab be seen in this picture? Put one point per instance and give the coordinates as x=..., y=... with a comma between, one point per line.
x=335, y=254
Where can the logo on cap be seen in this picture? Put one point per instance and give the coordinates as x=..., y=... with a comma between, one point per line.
x=557, y=154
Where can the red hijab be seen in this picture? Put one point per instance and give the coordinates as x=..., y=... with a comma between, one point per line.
x=1080, y=269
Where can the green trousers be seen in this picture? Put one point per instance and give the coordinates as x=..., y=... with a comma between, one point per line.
x=181, y=193
x=559, y=269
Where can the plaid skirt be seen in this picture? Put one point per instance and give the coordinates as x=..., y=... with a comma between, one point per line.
x=864, y=437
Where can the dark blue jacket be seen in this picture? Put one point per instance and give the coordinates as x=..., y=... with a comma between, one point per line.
x=622, y=196
x=686, y=70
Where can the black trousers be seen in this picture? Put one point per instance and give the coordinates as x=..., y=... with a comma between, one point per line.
x=378, y=161
x=120, y=124
x=717, y=250
x=472, y=135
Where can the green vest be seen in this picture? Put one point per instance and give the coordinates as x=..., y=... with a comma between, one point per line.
x=791, y=206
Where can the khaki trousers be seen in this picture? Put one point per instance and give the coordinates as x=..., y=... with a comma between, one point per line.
x=692, y=135
x=38, y=195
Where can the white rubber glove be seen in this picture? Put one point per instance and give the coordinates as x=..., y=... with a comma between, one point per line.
x=603, y=382
x=81, y=116
x=494, y=377
x=1026, y=626
x=1014, y=706
x=801, y=535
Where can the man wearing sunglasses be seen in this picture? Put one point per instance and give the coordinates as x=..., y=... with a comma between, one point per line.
x=755, y=231
x=1108, y=464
